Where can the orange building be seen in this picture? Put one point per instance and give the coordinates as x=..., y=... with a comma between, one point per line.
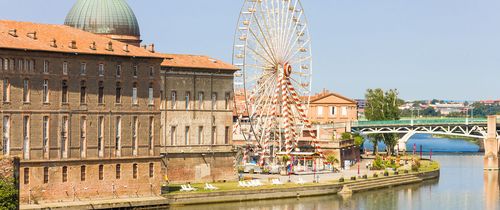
x=328, y=107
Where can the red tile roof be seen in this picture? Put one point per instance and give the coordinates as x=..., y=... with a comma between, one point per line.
x=195, y=61
x=63, y=36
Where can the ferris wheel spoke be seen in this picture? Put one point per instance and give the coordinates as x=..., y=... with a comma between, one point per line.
x=297, y=48
x=269, y=51
x=260, y=56
x=286, y=27
x=290, y=40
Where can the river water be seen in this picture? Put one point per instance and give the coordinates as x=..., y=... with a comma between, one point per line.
x=463, y=185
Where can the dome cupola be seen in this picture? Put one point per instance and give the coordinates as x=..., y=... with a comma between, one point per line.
x=111, y=18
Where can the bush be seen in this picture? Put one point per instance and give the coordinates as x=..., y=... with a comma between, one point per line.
x=415, y=165
x=365, y=176
x=345, y=136
x=266, y=171
x=386, y=173
x=341, y=179
x=375, y=175
x=378, y=164
x=406, y=171
x=252, y=171
x=396, y=172
x=353, y=178
x=8, y=195
x=241, y=169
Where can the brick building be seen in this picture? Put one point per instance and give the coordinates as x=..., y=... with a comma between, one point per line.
x=92, y=115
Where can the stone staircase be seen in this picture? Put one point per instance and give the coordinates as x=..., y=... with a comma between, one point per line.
x=381, y=182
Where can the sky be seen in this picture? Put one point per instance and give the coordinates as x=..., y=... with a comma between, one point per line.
x=445, y=49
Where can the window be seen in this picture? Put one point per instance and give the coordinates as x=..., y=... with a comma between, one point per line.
x=64, y=92
x=20, y=65
x=26, y=91
x=173, y=99
x=151, y=71
x=27, y=65
x=134, y=171
x=186, y=136
x=83, y=68
x=45, y=136
x=26, y=175
x=6, y=90
x=151, y=134
x=1, y=63
x=45, y=66
x=65, y=68
x=344, y=110
x=227, y=97
x=83, y=137
x=118, y=171
x=134, y=93
x=134, y=71
x=118, y=93
x=100, y=136
x=83, y=173
x=320, y=110
x=118, y=70
x=83, y=92
x=100, y=94
x=118, y=134
x=200, y=135
x=64, y=137
x=226, y=135
x=26, y=137
x=173, y=134
x=214, y=101
x=12, y=64
x=45, y=92
x=101, y=70
x=135, y=123
x=6, y=135
x=45, y=175
x=188, y=96
x=32, y=65
x=150, y=94
x=333, y=110
x=101, y=172
x=64, y=173
x=200, y=100
x=214, y=135
x=5, y=64
x=151, y=170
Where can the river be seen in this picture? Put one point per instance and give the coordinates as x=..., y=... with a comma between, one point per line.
x=463, y=185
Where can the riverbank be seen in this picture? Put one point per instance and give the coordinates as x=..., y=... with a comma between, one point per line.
x=230, y=192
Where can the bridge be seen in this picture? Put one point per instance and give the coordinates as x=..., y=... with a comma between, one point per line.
x=485, y=129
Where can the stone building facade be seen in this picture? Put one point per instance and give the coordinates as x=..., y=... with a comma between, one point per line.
x=198, y=118
x=82, y=112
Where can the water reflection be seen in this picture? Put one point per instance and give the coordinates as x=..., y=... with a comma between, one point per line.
x=463, y=185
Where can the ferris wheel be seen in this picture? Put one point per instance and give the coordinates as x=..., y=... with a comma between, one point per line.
x=272, y=47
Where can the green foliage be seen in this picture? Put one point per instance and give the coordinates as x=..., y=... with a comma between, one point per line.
x=241, y=169
x=353, y=178
x=358, y=140
x=378, y=164
x=8, y=195
x=341, y=179
x=285, y=158
x=332, y=159
x=346, y=136
x=483, y=110
x=383, y=105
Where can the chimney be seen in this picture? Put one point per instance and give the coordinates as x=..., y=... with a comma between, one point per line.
x=72, y=44
x=32, y=35
x=125, y=48
x=53, y=43
x=110, y=46
x=13, y=32
x=93, y=46
x=151, y=48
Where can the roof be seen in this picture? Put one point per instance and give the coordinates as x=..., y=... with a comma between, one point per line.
x=103, y=17
x=46, y=34
x=195, y=61
x=325, y=94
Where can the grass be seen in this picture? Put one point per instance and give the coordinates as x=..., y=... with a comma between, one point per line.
x=428, y=166
x=232, y=186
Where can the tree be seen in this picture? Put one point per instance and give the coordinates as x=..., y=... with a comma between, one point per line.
x=381, y=105
x=8, y=195
x=346, y=136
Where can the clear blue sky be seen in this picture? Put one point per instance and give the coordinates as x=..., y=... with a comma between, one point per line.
x=447, y=49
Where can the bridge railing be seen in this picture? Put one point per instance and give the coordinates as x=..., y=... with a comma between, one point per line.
x=412, y=122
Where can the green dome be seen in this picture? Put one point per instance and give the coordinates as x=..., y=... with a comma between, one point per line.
x=110, y=17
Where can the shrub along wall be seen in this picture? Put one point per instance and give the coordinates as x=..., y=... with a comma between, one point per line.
x=9, y=183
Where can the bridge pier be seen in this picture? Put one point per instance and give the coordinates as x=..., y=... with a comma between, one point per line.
x=491, y=161
x=401, y=145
